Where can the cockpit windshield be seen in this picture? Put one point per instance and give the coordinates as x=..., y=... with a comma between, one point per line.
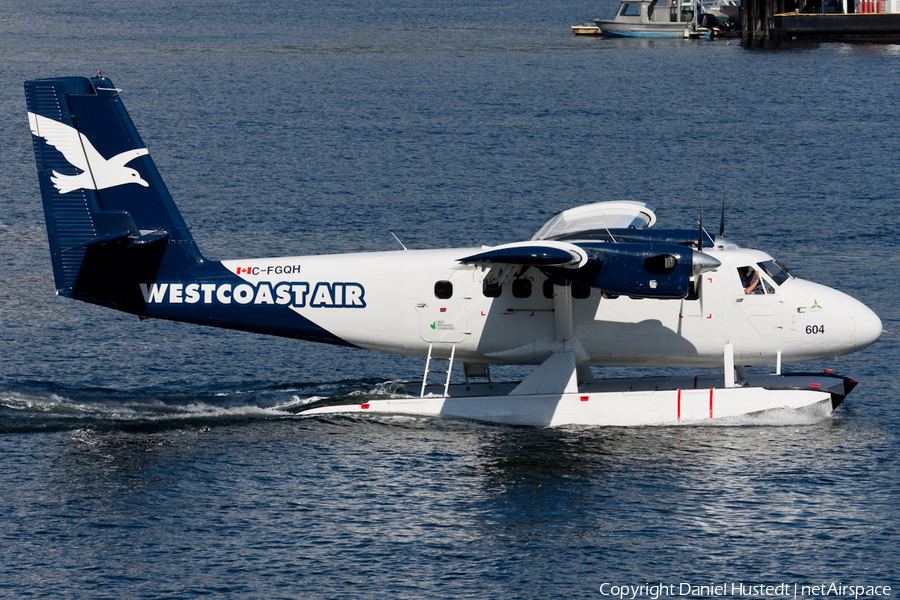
x=777, y=271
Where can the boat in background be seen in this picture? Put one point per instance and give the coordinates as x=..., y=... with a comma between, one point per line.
x=652, y=18
x=728, y=12
x=586, y=29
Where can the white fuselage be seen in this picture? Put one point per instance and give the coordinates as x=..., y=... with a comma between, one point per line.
x=387, y=301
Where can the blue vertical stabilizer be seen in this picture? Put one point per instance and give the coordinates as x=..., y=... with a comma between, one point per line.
x=110, y=218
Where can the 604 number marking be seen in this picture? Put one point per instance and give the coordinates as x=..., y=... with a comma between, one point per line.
x=814, y=329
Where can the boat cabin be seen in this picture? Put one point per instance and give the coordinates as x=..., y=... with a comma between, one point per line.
x=656, y=11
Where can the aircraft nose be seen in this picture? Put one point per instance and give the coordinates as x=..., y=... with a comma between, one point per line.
x=868, y=326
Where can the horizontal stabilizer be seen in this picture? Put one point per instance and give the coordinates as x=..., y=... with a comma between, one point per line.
x=124, y=236
x=117, y=226
x=111, y=226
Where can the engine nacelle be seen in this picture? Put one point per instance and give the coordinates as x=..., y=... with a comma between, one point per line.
x=640, y=270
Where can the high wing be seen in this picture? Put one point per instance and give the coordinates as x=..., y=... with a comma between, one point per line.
x=606, y=246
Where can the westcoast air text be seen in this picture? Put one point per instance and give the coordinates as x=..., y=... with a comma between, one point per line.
x=293, y=294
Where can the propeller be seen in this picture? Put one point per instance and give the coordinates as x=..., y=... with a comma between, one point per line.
x=722, y=222
x=700, y=229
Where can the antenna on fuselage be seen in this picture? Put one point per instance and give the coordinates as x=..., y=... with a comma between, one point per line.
x=609, y=233
x=398, y=241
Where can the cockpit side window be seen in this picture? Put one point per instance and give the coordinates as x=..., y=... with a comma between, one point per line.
x=755, y=281
x=777, y=271
x=750, y=280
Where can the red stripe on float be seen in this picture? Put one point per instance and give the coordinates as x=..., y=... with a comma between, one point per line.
x=364, y=406
x=710, y=402
x=679, y=404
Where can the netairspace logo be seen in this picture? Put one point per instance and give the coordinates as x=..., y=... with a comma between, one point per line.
x=743, y=590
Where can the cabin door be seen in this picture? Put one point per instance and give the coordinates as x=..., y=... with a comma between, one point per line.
x=443, y=306
x=764, y=307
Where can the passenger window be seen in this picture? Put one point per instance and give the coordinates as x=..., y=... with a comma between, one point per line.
x=521, y=288
x=443, y=289
x=491, y=290
x=579, y=290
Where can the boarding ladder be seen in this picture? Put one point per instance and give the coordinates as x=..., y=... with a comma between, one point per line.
x=429, y=368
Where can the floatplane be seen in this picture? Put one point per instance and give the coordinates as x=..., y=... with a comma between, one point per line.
x=596, y=285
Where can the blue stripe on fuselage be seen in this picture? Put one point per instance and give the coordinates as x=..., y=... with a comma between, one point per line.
x=263, y=307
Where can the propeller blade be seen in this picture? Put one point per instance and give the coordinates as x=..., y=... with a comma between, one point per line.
x=722, y=222
x=700, y=229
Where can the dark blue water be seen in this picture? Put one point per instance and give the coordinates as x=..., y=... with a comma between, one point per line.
x=158, y=460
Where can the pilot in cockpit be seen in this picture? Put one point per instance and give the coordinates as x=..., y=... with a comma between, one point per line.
x=750, y=280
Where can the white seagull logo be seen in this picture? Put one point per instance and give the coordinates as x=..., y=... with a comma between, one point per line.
x=98, y=173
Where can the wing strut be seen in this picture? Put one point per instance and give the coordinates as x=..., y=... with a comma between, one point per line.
x=562, y=310
x=560, y=373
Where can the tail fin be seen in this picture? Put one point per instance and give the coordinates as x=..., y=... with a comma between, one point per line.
x=110, y=218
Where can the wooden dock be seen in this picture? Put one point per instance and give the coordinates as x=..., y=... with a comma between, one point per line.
x=775, y=21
